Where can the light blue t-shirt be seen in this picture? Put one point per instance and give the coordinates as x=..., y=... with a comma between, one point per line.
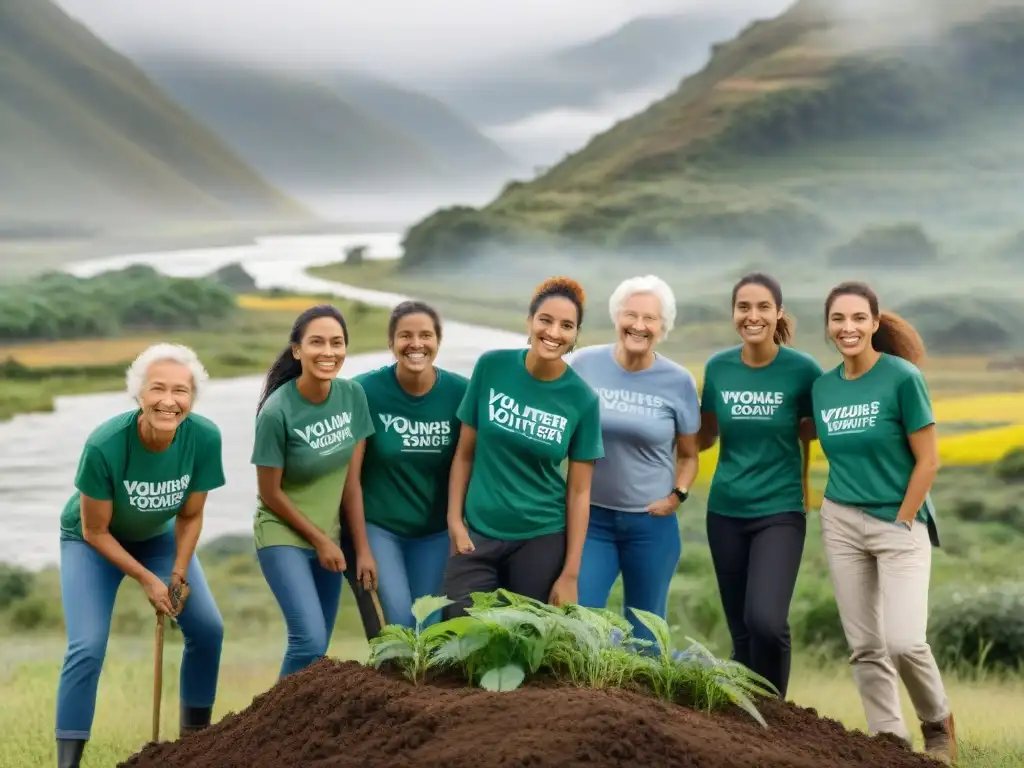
x=642, y=413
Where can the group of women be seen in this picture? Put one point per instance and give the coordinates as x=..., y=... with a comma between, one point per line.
x=549, y=472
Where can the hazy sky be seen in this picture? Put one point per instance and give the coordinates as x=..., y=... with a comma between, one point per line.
x=404, y=38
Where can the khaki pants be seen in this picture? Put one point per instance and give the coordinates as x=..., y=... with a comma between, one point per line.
x=880, y=572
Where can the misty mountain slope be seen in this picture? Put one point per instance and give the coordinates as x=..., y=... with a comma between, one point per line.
x=799, y=132
x=451, y=138
x=298, y=132
x=84, y=135
x=646, y=52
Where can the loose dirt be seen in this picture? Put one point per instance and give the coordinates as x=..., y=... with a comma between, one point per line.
x=345, y=714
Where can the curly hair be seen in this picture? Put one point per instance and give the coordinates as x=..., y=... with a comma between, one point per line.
x=786, y=325
x=565, y=287
x=895, y=336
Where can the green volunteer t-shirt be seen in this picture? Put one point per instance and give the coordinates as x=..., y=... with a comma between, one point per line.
x=313, y=443
x=759, y=470
x=409, y=456
x=526, y=428
x=863, y=426
x=147, y=488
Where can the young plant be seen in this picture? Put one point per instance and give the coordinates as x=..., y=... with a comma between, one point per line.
x=411, y=649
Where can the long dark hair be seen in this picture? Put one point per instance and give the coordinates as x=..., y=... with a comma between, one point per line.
x=286, y=367
x=895, y=336
x=406, y=308
x=784, y=325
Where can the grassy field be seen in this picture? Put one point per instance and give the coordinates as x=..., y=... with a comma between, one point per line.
x=242, y=346
x=988, y=711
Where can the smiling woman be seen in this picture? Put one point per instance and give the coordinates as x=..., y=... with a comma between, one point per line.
x=139, y=471
x=514, y=520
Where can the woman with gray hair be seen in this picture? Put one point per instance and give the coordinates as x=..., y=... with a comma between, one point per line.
x=650, y=415
x=137, y=510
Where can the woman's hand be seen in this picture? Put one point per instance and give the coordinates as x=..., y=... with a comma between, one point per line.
x=158, y=594
x=330, y=556
x=459, y=534
x=565, y=590
x=664, y=507
x=366, y=569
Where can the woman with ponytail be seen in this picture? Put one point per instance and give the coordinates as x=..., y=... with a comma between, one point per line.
x=309, y=426
x=756, y=402
x=514, y=520
x=877, y=430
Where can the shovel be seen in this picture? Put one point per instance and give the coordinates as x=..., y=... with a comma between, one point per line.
x=178, y=595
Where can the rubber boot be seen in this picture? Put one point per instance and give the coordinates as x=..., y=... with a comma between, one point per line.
x=194, y=719
x=69, y=753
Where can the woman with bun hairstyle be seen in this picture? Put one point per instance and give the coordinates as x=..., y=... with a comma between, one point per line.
x=876, y=427
x=514, y=520
x=756, y=402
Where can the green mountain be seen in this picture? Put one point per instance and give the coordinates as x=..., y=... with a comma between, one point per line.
x=799, y=133
x=299, y=132
x=85, y=138
x=456, y=142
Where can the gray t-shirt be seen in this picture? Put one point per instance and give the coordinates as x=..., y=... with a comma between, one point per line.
x=642, y=412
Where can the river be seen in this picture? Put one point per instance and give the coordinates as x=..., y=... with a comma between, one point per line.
x=39, y=452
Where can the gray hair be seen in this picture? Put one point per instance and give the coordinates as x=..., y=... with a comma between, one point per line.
x=138, y=371
x=647, y=284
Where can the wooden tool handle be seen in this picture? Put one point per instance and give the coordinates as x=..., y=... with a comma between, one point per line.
x=158, y=674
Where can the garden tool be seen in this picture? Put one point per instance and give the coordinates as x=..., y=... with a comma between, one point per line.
x=178, y=595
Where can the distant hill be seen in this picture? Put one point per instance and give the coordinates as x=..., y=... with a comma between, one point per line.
x=453, y=140
x=649, y=51
x=299, y=132
x=798, y=133
x=86, y=138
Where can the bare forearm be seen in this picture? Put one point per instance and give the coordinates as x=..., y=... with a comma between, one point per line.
x=805, y=472
x=458, y=482
x=105, y=543
x=186, y=536
x=686, y=471
x=920, y=484
x=577, y=518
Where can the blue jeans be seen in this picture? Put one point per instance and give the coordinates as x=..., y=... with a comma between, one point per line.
x=88, y=585
x=644, y=548
x=308, y=595
x=407, y=569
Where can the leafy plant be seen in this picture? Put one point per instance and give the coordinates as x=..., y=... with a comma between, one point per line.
x=506, y=639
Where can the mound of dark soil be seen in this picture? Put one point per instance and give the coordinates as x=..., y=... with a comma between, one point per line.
x=345, y=714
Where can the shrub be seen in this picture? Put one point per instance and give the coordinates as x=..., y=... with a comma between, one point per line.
x=15, y=584
x=235, y=278
x=1010, y=468
x=980, y=628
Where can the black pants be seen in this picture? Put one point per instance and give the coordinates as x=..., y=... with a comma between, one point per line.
x=527, y=567
x=756, y=563
x=364, y=602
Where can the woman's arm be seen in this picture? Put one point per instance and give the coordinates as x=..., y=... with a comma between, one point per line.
x=187, y=527
x=353, y=512
x=458, y=482
x=707, y=436
x=268, y=481
x=924, y=443
x=687, y=460
x=808, y=434
x=577, y=515
x=96, y=517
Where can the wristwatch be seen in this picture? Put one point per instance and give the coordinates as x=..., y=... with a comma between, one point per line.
x=681, y=493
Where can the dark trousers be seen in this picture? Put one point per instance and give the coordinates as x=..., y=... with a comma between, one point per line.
x=756, y=562
x=364, y=601
x=527, y=567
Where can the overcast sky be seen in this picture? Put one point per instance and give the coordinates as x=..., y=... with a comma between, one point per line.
x=403, y=38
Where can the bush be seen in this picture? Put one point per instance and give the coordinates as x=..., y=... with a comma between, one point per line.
x=61, y=306
x=980, y=628
x=15, y=584
x=1010, y=468
x=235, y=278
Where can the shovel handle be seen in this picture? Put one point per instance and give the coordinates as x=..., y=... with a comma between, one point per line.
x=158, y=674
x=377, y=608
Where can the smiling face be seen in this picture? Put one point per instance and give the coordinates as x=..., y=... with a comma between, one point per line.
x=166, y=397
x=415, y=344
x=755, y=314
x=553, y=328
x=322, y=350
x=639, y=323
x=851, y=324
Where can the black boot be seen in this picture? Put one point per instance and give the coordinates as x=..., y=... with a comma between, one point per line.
x=69, y=753
x=194, y=719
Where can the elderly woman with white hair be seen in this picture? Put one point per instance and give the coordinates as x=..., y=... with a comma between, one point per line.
x=650, y=416
x=141, y=488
